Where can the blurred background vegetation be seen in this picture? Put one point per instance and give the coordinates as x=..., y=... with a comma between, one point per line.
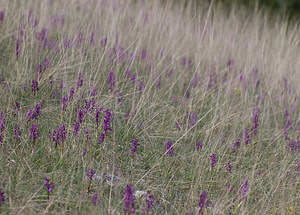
x=290, y=8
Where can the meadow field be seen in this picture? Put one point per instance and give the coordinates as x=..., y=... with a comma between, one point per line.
x=144, y=107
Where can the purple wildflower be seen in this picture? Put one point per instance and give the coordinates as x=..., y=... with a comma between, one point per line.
x=2, y=15
x=203, y=202
x=195, y=81
x=287, y=126
x=141, y=87
x=103, y=42
x=95, y=199
x=59, y=135
x=90, y=175
x=84, y=152
x=133, y=79
x=228, y=167
x=133, y=149
x=293, y=145
x=213, y=160
x=107, y=121
x=80, y=115
x=144, y=54
x=61, y=84
x=2, y=199
x=286, y=113
x=198, y=144
x=17, y=133
x=48, y=186
x=71, y=93
x=235, y=146
x=129, y=197
x=157, y=84
x=17, y=106
x=244, y=189
x=97, y=115
x=64, y=102
x=187, y=94
x=193, y=119
x=169, y=148
x=17, y=47
x=111, y=80
x=89, y=105
x=76, y=128
x=2, y=122
x=101, y=138
x=79, y=80
x=150, y=202
x=92, y=38
x=34, y=132
x=36, y=113
x=87, y=133
x=38, y=71
x=255, y=121
x=246, y=137
x=34, y=86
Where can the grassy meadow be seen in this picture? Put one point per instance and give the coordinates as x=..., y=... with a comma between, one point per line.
x=139, y=107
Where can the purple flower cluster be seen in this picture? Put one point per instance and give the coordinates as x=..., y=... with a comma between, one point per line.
x=76, y=125
x=134, y=145
x=149, y=202
x=87, y=134
x=193, y=119
x=203, y=202
x=228, y=167
x=255, y=121
x=169, y=148
x=2, y=127
x=79, y=80
x=34, y=86
x=198, y=144
x=2, y=199
x=34, y=132
x=107, y=121
x=35, y=113
x=235, y=146
x=213, y=160
x=17, y=133
x=141, y=86
x=48, y=186
x=89, y=105
x=111, y=80
x=129, y=197
x=2, y=15
x=90, y=175
x=293, y=145
x=244, y=189
x=64, y=102
x=95, y=199
x=78, y=121
x=59, y=135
